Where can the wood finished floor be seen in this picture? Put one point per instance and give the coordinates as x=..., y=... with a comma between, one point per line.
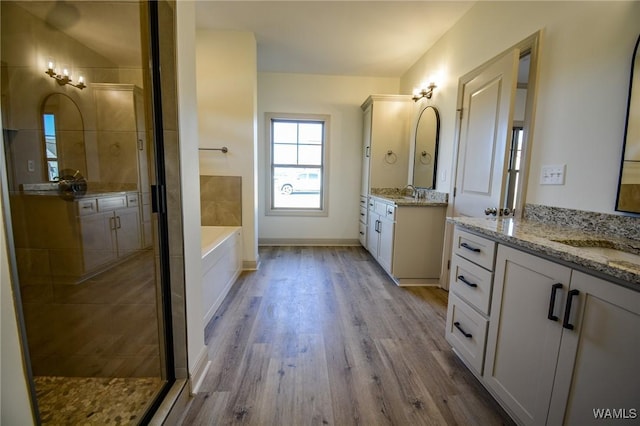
x=320, y=335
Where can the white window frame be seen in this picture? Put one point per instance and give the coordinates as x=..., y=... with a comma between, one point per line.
x=324, y=190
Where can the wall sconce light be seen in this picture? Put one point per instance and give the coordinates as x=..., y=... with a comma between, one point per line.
x=424, y=93
x=64, y=78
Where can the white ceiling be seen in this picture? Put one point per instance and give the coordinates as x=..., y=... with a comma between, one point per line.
x=366, y=38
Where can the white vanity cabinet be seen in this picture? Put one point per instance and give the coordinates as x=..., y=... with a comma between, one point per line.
x=406, y=240
x=362, y=223
x=109, y=229
x=380, y=231
x=471, y=279
x=561, y=343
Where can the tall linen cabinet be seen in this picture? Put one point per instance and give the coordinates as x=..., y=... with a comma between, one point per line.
x=385, y=147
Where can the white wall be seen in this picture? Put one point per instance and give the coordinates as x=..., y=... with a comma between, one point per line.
x=340, y=97
x=190, y=190
x=15, y=407
x=227, y=79
x=585, y=60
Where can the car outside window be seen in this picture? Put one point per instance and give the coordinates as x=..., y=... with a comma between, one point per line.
x=297, y=164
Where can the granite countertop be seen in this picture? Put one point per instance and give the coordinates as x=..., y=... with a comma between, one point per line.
x=587, y=250
x=410, y=201
x=428, y=197
x=88, y=194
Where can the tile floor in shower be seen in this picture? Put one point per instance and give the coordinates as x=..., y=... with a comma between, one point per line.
x=94, y=401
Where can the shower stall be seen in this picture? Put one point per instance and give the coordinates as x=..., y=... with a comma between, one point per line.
x=94, y=240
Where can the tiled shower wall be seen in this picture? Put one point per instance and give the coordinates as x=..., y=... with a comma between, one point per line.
x=221, y=200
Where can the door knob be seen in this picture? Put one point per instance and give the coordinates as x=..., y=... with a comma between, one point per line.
x=491, y=211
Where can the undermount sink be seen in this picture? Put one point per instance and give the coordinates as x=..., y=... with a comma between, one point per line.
x=607, y=249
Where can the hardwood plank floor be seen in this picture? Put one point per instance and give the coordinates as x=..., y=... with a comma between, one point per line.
x=321, y=335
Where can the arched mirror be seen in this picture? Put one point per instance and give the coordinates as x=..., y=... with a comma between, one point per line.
x=629, y=183
x=426, y=148
x=63, y=137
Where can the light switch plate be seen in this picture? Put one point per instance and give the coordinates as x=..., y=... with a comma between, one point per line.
x=553, y=174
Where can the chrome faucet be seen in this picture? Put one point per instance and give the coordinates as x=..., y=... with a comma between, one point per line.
x=414, y=192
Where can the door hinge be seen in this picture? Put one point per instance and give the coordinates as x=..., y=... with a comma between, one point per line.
x=460, y=111
x=455, y=190
x=448, y=264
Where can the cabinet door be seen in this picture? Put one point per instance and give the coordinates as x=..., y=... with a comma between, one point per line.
x=98, y=240
x=373, y=236
x=128, y=230
x=366, y=151
x=598, y=366
x=385, y=248
x=523, y=343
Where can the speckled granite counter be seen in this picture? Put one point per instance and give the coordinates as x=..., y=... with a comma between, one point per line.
x=428, y=198
x=547, y=240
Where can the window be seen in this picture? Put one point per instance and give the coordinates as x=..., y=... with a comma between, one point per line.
x=513, y=172
x=50, y=146
x=297, y=164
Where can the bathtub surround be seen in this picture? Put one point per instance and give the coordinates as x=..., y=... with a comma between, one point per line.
x=221, y=200
x=221, y=265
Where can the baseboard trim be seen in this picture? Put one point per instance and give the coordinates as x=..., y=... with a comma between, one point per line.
x=199, y=371
x=308, y=242
x=250, y=265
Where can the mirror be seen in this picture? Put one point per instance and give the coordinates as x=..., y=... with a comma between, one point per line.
x=629, y=183
x=63, y=135
x=426, y=148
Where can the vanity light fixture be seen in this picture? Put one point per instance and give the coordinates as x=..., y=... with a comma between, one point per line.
x=424, y=93
x=64, y=78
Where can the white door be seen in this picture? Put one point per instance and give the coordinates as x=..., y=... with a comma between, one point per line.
x=485, y=128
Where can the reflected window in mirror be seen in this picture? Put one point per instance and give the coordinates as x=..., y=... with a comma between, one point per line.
x=513, y=171
x=50, y=146
x=62, y=137
x=425, y=159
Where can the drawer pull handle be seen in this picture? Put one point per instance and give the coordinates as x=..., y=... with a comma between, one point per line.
x=567, y=310
x=88, y=206
x=552, y=301
x=466, y=281
x=468, y=247
x=467, y=335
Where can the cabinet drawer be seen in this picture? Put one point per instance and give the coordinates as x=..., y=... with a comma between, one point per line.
x=466, y=331
x=386, y=210
x=471, y=282
x=479, y=250
x=133, y=200
x=363, y=215
x=86, y=207
x=111, y=203
x=362, y=235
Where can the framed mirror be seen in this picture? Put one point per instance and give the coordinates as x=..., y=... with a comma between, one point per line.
x=425, y=159
x=628, y=199
x=63, y=137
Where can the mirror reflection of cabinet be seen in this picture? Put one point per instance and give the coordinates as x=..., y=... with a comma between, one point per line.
x=425, y=156
x=385, y=141
x=629, y=182
x=122, y=144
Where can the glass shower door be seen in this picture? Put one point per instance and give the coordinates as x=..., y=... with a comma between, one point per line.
x=79, y=146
